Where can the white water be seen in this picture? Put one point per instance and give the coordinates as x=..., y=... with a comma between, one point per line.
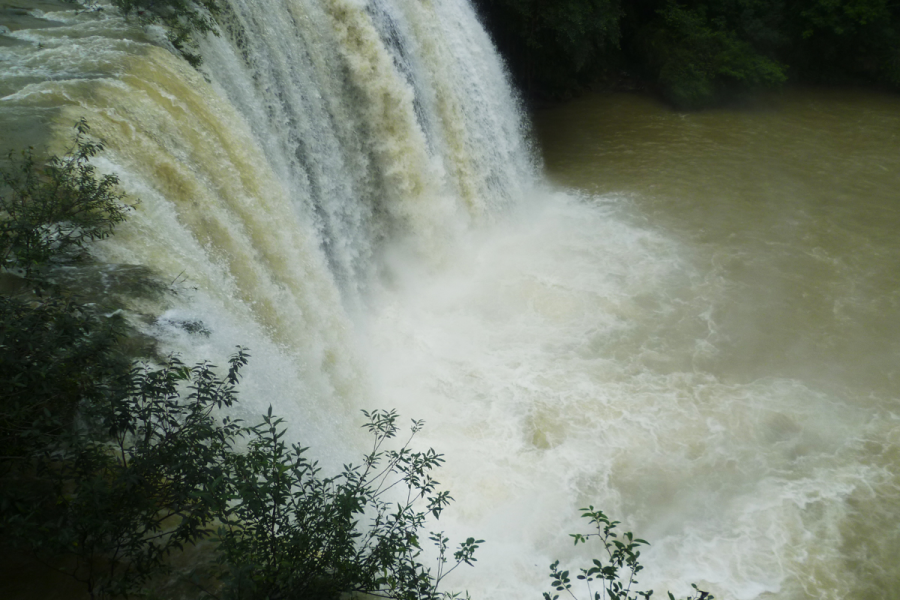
x=346, y=190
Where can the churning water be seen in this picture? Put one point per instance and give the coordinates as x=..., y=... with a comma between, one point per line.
x=760, y=363
x=702, y=341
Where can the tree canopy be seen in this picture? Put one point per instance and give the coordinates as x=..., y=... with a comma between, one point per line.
x=696, y=53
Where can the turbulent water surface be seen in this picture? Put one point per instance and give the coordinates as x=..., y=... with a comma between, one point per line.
x=694, y=326
x=762, y=354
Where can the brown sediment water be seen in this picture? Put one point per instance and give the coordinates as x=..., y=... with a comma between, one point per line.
x=784, y=331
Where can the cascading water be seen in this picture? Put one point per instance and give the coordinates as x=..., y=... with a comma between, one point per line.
x=317, y=133
x=345, y=188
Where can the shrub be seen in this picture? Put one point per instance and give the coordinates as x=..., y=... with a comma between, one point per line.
x=55, y=356
x=700, y=62
x=136, y=480
x=183, y=19
x=849, y=41
x=291, y=533
x=55, y=352
x=51, y=210
x=615, y=573
x=151, y=470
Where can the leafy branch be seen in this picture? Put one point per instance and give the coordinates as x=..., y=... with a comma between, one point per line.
x=50, y=211
x=616, y=572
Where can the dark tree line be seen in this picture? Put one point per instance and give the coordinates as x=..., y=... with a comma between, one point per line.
x=695, y=53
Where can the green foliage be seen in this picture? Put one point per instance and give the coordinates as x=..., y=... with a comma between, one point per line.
x=842, y=17
x=699, y=62
x=115, y=467
x=291, y=533
x=697, y=53
x=848, y=40
x=760, y=23
x=615, y=573
x=51, y=210
x=55, y=355
x=152, y=470
x=147, y=468
x=554, y=46
x=183, y=19
x=135, y=481
x=101, y=462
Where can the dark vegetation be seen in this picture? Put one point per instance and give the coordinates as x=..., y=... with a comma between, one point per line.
x=52, y=210
x=695, y=53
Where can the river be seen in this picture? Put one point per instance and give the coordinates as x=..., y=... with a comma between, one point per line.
x=763, y=360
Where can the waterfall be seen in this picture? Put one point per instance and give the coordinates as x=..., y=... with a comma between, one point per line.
x=325, y=150
x=346, y=188
x=272, y=183
x=378, y=122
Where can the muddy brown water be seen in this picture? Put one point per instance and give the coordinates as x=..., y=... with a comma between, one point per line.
x=788, y=211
